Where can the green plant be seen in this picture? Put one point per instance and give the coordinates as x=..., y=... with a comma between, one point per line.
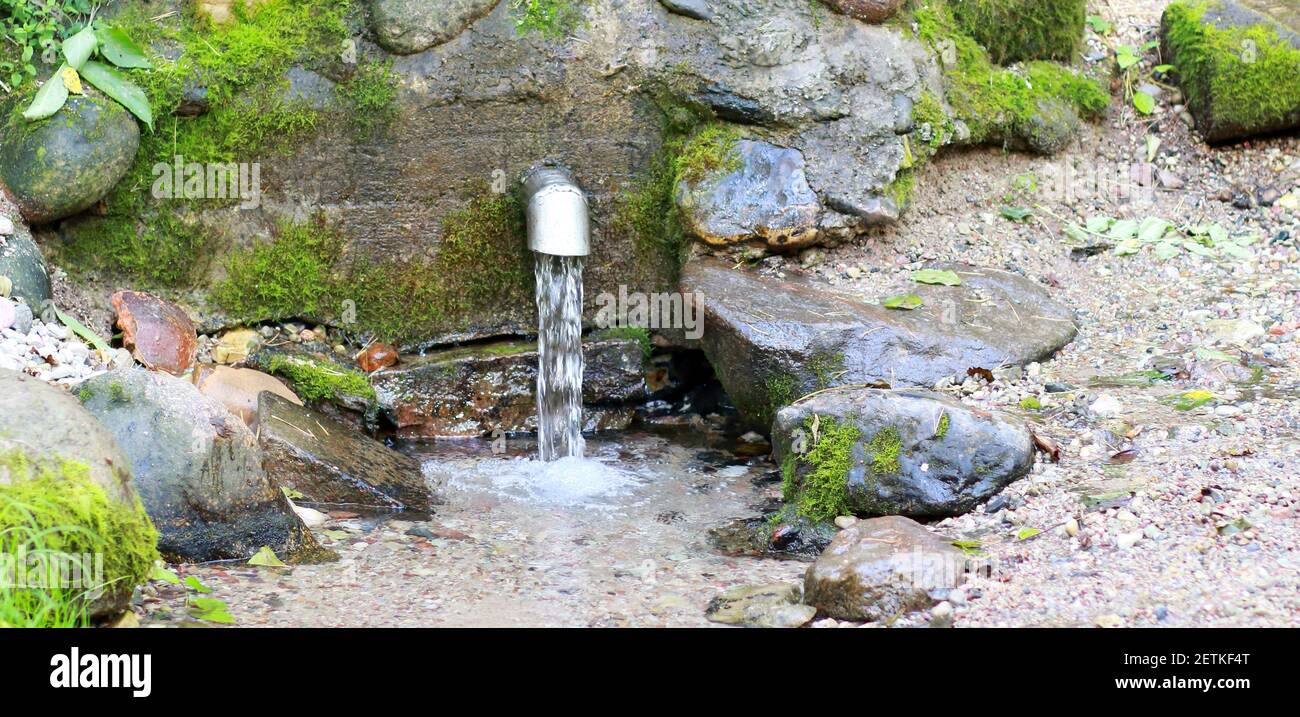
x=1019, y=30
x=287, y=277
x=36, y=29
x=371, y=96
x=551, y=19
x=320, y=381
x=110, y=44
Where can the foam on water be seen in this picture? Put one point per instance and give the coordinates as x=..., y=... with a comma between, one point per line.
x=569, y=482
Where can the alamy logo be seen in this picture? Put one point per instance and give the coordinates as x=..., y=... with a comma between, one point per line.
x=668, y=310
x=78, y=670
x=211, y=180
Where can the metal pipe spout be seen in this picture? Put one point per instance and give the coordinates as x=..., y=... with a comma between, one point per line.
x=558, y=221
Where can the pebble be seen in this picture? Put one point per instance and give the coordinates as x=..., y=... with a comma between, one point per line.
x=6, y=225
x=1106, y=405
x=1128, y=540
x=844, y=522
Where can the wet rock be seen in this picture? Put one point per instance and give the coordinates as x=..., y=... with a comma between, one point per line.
x=1049, y=129
x=62, y=165
x=197, y=468
x=238, y=388
x=694, y=9
x=772, y=341
x=323, y=379
x=766, y=198
x=21, y=261
x=158, y=333
x=474, y=390
x=781, y=535
x=881, y=568
x=329, y=464
x=1230, y=96
x=868, y=10
x=776, y=605
x=406, y=27
x=878, y=452
x=377, y=356
x=46, y=435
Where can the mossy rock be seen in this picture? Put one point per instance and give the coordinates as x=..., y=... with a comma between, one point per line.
x=65, y=485
x=1019, y=30
x=61, y=165
x=1238, y=64
x=873, y=452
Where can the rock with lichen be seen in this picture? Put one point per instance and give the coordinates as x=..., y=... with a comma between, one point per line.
x=871, y=452
x=405, y=27
x=1237, y=63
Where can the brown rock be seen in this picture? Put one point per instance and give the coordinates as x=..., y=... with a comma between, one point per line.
x=237, y=389
x=880, y=568
x=158, y=333
x=376, y=356
x=234, y=346
x=868, y=10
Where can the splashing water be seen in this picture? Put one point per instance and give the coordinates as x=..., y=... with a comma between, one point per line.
x=559, y=348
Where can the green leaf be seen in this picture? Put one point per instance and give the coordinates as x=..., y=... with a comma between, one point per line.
x=1027, y=533
x=1031, y=403
x=265, y=557
x=1162, y=69
x=291, y=493
x=1099, y=25
x=1017, y=214
x=220, y=617
x=49, y=98
x=196, y=585
x=120, y=50
x=78, y=48
x=1099, y=224
x=936, y=276
x=1145, y=103
x=906, y=302
x=80, y=329
x=1127, y=56
x=1192, y=399
x=1153, y=229
x=115, y=84
x=1124, y=229
x=164, y=575
x=1153, y=147
x=1167, y=250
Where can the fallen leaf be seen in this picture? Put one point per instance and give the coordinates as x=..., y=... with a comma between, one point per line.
x=983, y=373
x=936, y=276
x=1125, y=456
x=1048, y=446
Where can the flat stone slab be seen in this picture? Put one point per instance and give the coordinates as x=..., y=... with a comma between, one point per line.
x=331, y=464
x=772, y=341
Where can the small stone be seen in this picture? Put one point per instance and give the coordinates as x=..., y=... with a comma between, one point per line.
x=23, y=319
x=694, y=9
x=1151, y=532
x=234, y=346
x=1109, y=621
x=6, y=286
x=1127, y=540
x=1106, y=405
x=7, y=313
x=941, y=614
x=844, y=522
x=377, y=356
x=6, y=226
x=1072, y=527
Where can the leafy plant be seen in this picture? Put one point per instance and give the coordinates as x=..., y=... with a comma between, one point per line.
x=36, y=29
x=1129, y=60
x=110, y=44
x=551, y=19
x=1164, y=238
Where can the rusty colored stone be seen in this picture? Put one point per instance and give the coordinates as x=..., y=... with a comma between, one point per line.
x=868, y=10
x=376, y=356
x=158, y=333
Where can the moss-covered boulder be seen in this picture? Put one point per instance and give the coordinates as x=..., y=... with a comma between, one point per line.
x=61, y=165
x=1238, y=62
x=1019, y=30
x=66, y=486
x=198, y=470
x=405, y=27
x=872, y=452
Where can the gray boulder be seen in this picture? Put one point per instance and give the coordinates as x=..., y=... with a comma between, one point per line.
x=198, y=470
x=871, y=452
x=1237, y=63
x=50, y=443
x=472, y=391
x=331, y=464
x=20, y=259
x=772, y=341
x=59, y=166
x=881, y=568
x=766, y=198
x=405, y=27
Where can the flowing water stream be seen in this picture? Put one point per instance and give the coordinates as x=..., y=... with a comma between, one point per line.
x=559, y=343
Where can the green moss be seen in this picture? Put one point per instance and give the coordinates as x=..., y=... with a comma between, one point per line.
x=933, y=127
x=242, y=67
x=781, y=390
x=713, y=149
x=900, y=190
x=1018, y=30
x=634, y=333
x=1031, y=403
x=997, y=104
x=290, y=276
x=944, y=424
x=826, y=367
x=884, y=450
x=1248, y=75
x=482, y=262
x=319, y=381
x=552, y=19
x=55, y=507
x=822, y=493
x=370, y=97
